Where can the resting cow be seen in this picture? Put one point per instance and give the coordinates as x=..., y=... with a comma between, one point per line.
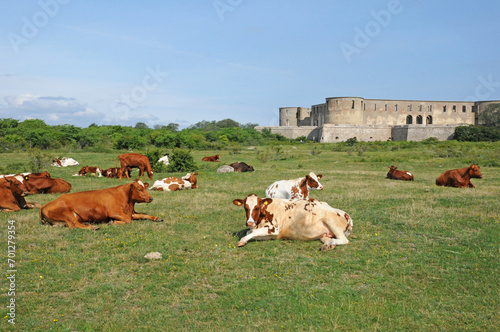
x=164, y=160
x=395, y=174
x=64, y=162
x=90, y=170
x=114, y=172
x=135, y=160
x=172, y=183
x=305, y=220
x=459, y=178
x=82, y=209
x=294, y=189
x=242, y=167
x=12, y=193
x=211, y=158
x=43, y=185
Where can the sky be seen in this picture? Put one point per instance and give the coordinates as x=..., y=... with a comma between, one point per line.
x=159, y=62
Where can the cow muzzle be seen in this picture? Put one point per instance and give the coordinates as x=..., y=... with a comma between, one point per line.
x=250, y=223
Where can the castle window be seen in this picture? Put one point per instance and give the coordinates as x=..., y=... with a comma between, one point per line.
x=375, y=107
x=409, y=119
x=420, y=108
x=396, y=107
x=430, y=108
x=409, y=108
x=444, y=109
x=419, y=119
x=464, y=108
x=364, y=107
x=287, y=123
x=352, y=104
x=428, y=120
x=385, y=107
x=454, y=108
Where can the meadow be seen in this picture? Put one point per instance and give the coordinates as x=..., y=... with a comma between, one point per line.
x=423, y=257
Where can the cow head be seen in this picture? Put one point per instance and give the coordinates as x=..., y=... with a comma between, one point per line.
x=312, y=181
x=83, y=171
x=474, y=172
x=392, y=168
x=191, y=178
x=150, y=174
x=255, y=208
x=217, y=157
x=139, y=193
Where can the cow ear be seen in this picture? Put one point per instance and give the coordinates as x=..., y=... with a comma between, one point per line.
x=238, y=202
x=319, y=176
x=266, y=201
x=26, y=177
x=146, y=185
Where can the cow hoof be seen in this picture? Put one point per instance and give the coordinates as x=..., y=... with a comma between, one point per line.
x=95, y=228
x=327, y=247
x=159, y=220
x=241, y=243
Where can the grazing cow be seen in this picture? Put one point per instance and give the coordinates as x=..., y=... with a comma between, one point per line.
x=134, y=160
x=211, y=158
x=459, y=178
x=172, y=183
x=90, y=170
x=395, y=174
x=164, y=160
x=42, y=185
x=64, y=162
x=114, y=205
x=114, y=172
x=294, y=189
x=306, y=220
x=242, y=167
x=12, y=193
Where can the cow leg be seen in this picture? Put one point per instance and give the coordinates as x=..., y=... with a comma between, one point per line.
x=33, y=205
x=257, y=234
x=14, y=208
x=142, y=216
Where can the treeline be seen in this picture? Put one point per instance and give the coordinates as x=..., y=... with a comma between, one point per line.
x=28, y=134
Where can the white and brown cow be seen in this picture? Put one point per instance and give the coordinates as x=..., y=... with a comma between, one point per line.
x=173, y=183
x=305, y=220
x=64, y=162
x=294, y=189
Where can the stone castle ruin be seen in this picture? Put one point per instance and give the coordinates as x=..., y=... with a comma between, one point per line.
x=341, y=118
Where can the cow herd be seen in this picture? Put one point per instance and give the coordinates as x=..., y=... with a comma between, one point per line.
x=286, y=212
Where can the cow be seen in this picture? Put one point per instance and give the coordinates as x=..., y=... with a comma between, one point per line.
x=305, y=220
x=164, y=160
x=12, y=193
x=395, y=174
x=113, y=172
x=90, y=170
x=460, y=177
x=242, y=167
x=211, y=158
x=44, y=174
x=85, y=208
x=295, y=189
x=172, y=183
x=134, y=160
x=64, y=162
x=225, y=169
x=43, y=185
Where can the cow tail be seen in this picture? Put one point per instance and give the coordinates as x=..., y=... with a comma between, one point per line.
x=43, y=218
x=348, y=229
x=116, y=161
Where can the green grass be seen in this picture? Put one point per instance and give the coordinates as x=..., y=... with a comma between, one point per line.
x=424, y=257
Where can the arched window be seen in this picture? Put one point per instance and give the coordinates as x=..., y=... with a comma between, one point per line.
x=428, y=120
x=419, y=119
x=409, y=119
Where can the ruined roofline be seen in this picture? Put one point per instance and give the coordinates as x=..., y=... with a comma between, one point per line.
x=415, y=100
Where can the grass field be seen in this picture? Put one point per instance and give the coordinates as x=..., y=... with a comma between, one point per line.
x=424, y=258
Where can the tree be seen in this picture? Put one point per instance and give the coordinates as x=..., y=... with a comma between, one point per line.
x=490, y=116
x=141, y=125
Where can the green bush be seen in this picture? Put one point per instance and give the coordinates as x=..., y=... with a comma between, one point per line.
x=181, y=161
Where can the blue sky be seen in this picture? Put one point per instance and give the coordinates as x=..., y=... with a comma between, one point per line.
x=159, y=62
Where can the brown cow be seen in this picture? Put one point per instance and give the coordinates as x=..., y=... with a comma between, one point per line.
x=114, y=205
x=12, y=196
x=114, y=172
x=460, y=177
x=242, y=167
x=395, y=174
x=37, y=185
x=90, y=170
x=135, y=160
x=211, y=158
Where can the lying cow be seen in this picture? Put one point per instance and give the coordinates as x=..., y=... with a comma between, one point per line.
x=459, y=178
x=82, y=209
x=295, y=189
x=164, y=160
x=43, y=185
x=211, y=158
x=304, y=220
x=134, y=160
x=90, y=170
x=64, y=162
x=12, y=193
x=114, y=172
x=172, y=183
x=242, y=167
x=395, y=174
